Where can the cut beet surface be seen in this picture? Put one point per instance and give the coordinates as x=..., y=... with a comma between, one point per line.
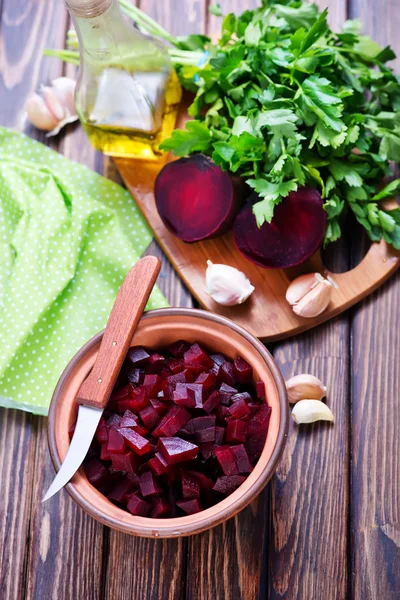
x=294, y=234
x=176, y=450
x=196, y=199
x=182, y=430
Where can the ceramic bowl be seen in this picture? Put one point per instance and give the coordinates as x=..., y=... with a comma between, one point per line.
x=156, y=329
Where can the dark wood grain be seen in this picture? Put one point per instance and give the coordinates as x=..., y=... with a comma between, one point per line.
x=17, y=459
x=375, y=400
x=310, y=492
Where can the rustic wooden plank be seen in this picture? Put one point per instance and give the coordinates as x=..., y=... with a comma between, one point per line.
x=375, y=447
x=310, y=490
x=35, y=540
x=65, y=555
x=17, y=455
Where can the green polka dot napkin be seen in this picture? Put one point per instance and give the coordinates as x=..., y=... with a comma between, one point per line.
x=68, y=237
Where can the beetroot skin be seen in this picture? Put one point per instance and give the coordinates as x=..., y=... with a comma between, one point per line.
x=196, y=199
x=294, y=234
x=186, y=436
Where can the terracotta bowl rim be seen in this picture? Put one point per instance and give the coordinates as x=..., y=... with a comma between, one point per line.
x=197, y=522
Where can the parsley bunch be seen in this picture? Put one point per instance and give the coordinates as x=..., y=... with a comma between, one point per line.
x=285, y=102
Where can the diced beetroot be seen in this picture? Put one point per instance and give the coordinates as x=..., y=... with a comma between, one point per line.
x=219, y=436
x=199, y=423
x=149, y=485
x=260, y=390
x=176, y=450
x=121, y=394
x=205, y=435
x=241, y=459
x=104, y=452
x=254, y=408
x=165, y=372
x=226, y=392
x=116, y=443
x=172, y=422
x=190, y=507
x=160, y=507
x=183, y=395
x=205, y=482
x=134, y=440
x=133, y=478
x=120, y=490
x=138, y=506
x=173, y=380
x=152, y=385
x=159, y=406
x=190, y=486
x=176, y=364
x=124, y=462
x=236, y=431
x=102, y=432
x=226, y=460
x=133, y=374
x=140, y=430
x=260, y=422
x=198, y=390
x=128, y=420
x=242, y=370
x=207, y=450
x=124, y=405
x=196, y=356
x=254, y=446
x=140, y=398
x=218, y=359
x=185, y=434
x=212, y=401
x=207, y=380
x=149, y=416
x=294, y=234
x=239, y=408
x=215, y=369
x=191, y=373
x=95, y=472
x=222, y=413
x=158, y=464
x=226, y=374
x=138, y=356
x=155, y=363
x=228, y=484
x=178, y=349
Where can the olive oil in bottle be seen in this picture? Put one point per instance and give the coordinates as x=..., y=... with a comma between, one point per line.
x=127, y=94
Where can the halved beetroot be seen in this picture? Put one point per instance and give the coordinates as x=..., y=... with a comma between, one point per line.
x=294, y=234
x=196, y=199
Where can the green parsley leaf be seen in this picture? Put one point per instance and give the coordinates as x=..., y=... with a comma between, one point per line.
x=215, y=9
x=196, y=138
x=389, y=190
x=318, y=97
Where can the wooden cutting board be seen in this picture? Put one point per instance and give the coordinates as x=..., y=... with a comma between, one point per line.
x=266, y=313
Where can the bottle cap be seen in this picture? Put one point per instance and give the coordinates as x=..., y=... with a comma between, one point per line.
x=87, y=9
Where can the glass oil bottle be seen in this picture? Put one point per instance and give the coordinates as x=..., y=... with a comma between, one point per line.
x=127, y=93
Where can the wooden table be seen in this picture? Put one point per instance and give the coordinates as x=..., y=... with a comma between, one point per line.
x=328, y=525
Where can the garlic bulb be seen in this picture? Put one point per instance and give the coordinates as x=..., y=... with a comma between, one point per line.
x=226, y=285
x=310, y=294
x=309, y=411
x=53, y=107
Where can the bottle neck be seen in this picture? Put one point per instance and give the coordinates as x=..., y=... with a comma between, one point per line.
x=98, y=25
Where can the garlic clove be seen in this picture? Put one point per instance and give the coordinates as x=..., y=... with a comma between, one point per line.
x=300, y=287
x=309, y=411
x=38, y=113
x=64, y=89
x=226, y=285
x=315, y=302
x=61, y=124
x=52, y=102
x=310, y=294
x=304, y=386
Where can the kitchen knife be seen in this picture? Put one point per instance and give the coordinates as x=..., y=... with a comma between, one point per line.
x=95, y=391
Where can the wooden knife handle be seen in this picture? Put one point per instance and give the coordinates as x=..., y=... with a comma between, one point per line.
x=125, y=315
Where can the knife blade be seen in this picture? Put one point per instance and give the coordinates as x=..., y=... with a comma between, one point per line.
x=95, y=391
